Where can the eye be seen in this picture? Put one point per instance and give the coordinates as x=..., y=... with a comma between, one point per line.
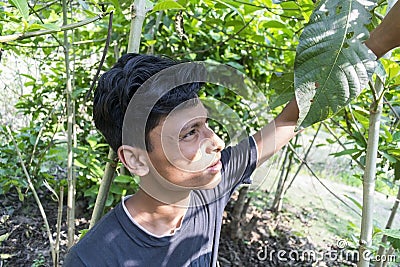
x=188, y=136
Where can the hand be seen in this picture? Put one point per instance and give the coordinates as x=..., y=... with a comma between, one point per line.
x=387, y=35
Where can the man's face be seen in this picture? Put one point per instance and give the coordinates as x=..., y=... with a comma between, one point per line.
x=186, y=152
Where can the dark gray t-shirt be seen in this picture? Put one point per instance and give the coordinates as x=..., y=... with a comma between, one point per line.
x=116, y=241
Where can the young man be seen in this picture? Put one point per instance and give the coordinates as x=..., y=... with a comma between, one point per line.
x=187, y=174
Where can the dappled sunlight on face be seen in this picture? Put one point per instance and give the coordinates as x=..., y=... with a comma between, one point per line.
x=186, y=151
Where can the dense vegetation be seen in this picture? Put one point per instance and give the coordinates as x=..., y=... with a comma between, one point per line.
x=46, y=45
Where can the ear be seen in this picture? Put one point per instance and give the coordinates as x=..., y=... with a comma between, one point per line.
x=134, y=159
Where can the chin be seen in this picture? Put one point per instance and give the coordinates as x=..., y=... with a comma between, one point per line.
x=213, y=183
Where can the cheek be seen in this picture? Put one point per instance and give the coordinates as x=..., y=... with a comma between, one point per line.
x=180, y=156
x=189, y=152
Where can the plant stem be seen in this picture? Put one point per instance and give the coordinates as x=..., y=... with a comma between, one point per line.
x=104, y=187
x=304, y=159
x=279, y=194
x=138, y=14
x=342, y=145
x=66, y=27
x=59, y=219
x=389, y=223
x=70, y=134
x=320, y=181
x=369, y=176
x=103, y=57
x=35, y=195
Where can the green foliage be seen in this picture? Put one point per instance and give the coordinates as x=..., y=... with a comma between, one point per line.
x=393, y=237
x=259, y=38
x=22, y=6
x=332, y=66
x=39, y=262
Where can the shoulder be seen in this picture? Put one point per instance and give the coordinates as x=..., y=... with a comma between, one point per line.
x=98, y=239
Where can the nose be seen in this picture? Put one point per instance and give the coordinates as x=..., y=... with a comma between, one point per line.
x=215, y=144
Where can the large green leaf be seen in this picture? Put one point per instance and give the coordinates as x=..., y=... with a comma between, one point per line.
x=332, y=65
x=282, y=85
x=22, y=6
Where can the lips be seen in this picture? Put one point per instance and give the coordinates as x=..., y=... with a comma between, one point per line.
x=215, y=167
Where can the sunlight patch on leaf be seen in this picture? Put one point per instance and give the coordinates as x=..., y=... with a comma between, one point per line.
x=332, y=64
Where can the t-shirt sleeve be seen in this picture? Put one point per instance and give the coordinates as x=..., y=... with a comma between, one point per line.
x=238, y=163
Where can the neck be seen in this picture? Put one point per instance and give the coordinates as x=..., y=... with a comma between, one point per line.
x=164, y=192
x=155, y=216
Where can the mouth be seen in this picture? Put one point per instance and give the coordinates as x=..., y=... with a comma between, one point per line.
x=215, y=167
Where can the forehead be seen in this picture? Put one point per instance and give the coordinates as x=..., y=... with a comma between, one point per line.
x=181, y=117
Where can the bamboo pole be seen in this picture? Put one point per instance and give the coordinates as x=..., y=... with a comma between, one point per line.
x=104, y=187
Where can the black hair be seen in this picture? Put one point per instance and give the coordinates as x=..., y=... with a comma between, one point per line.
x=117, y=86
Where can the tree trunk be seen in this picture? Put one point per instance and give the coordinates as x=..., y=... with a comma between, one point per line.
x=277, y=204
x=235, y=229
x=370, y=166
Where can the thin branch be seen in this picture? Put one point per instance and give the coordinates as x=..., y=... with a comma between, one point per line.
x=46, y=6
x=59, y=220
x=304, y=159
x=34, y=47
x=103, y=58
x=35, y=195
x=41, y=20
x=320, y=181
x=21, y=36
x=230, y=37
x=391, y=108
x=356, y=124
x=342, y=145
x=42, y=126
x=371, y=86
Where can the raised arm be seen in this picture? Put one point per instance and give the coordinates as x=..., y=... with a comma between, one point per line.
x=278, y=133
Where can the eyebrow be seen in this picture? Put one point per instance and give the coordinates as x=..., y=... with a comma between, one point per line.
x=193, y=124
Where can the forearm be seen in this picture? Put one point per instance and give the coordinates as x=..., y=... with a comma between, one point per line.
x=278, y=133
x=289, y=115
x=387, y=35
